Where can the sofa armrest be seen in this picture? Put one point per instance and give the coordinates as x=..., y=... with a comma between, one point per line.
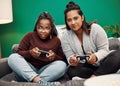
x=4, y=68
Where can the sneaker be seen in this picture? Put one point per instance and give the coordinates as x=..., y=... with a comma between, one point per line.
x=42, y=82
x=77, y=78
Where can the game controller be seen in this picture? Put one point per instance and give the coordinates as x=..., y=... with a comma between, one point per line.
x=43, y=52
x=83, y=59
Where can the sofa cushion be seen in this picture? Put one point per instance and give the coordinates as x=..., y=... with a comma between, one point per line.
x=7, y=83
x=9, y=77
x=74, y=83
x=68, y=83
x=114, y=44
x=15, y=48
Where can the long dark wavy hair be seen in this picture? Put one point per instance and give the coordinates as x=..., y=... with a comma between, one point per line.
x=46, y=15
x=72, y=6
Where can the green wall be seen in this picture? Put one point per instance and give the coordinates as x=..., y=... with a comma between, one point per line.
x=25, y=13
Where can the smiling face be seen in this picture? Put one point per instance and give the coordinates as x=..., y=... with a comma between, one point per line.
x=44, y=28
x=74, y=20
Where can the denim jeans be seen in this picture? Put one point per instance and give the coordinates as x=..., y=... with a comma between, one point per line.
x=27, y=71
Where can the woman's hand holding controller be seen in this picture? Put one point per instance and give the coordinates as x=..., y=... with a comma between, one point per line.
x=92, y=58
x=34, y=52
x=73, y=60
x=51, y=55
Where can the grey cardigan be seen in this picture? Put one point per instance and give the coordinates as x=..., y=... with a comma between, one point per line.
x=96, y=42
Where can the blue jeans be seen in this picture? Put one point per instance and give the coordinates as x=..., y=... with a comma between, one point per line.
x=27, y=71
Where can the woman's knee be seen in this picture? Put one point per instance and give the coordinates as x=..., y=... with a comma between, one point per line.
x=61, y=68
x=114, y=56
x=13, y=58
x=60, y=64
